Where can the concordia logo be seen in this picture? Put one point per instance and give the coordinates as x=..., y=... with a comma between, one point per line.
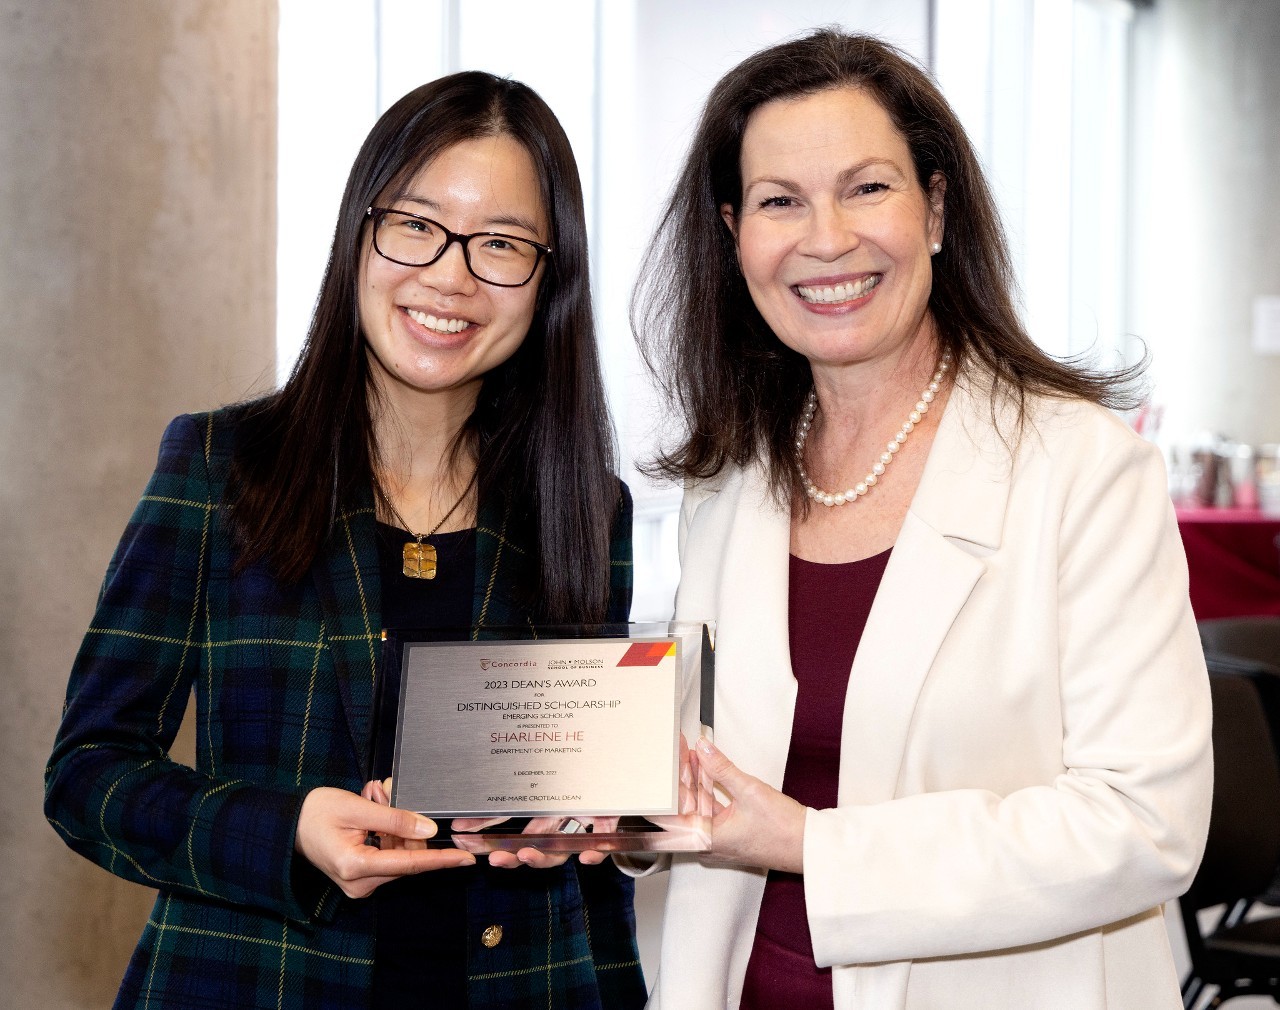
x=647, y=653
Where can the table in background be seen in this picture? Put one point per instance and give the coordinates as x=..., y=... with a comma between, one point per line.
x=1234, y=561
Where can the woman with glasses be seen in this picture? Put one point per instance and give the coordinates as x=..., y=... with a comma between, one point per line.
x=440, y=457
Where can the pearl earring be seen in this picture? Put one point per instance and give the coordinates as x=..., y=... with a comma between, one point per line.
x=935, y=248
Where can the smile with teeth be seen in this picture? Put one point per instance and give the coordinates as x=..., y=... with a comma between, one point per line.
x=846, y=292
x=440, y=325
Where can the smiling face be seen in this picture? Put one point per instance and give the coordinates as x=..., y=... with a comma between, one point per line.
x=437, y=329
x=834, y=233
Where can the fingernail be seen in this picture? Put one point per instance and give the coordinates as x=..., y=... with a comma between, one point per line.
x=704, y=745
x=424, y=827
x=466, y=861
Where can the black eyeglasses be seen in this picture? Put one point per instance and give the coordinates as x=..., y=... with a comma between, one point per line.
x=505, y=261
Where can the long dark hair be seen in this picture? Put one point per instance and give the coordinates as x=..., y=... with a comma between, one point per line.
x=739, y=389
x=540, y=429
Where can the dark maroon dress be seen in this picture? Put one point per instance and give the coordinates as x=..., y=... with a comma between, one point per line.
x=828, y=608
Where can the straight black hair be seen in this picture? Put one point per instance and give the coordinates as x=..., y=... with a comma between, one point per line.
x=540, y=430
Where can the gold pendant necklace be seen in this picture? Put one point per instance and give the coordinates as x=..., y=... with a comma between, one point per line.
x=420, y=556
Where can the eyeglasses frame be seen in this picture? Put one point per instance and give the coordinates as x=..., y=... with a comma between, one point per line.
x=376, y=214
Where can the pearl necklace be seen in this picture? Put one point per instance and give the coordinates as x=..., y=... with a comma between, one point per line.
x=830, y=498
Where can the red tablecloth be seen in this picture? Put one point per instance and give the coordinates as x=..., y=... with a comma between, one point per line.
x=1234, y=561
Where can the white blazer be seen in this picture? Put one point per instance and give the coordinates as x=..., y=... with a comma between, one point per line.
x=1025, y=766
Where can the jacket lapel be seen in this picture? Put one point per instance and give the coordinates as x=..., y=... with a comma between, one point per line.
x=348, y=583
x=349, y=586
x=755, y=687
x=499, y=558
x=955, y=520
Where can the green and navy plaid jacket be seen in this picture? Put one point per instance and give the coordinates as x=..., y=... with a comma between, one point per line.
x=284, y=686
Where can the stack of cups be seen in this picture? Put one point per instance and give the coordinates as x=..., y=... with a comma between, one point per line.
x=1238, y=473
x=1267, y=474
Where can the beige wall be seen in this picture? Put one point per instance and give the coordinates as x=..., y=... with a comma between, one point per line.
x=137, y=280
x=1206, y=210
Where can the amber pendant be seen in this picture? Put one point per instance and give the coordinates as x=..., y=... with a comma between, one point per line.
x=419, y=561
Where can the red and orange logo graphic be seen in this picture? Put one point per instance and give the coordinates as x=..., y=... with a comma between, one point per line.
x=647, y=653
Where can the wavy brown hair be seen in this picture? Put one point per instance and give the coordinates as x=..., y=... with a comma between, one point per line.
x=739, y=389
x=540, y=430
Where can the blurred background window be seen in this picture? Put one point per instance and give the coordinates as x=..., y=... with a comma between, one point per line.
x=1040, y=85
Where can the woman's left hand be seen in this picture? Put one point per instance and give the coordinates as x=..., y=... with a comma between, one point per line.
x=759, y=826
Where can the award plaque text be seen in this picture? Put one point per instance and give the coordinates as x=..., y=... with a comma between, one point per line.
x=584, y=737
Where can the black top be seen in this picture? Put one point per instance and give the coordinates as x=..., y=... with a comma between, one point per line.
x=420, y=937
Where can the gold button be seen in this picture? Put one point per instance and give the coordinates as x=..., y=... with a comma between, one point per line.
x=492, y=936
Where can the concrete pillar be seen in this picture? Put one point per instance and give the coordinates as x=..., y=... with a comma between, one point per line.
x=137, y=281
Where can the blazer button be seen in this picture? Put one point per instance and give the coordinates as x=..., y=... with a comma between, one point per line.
x=492, y=936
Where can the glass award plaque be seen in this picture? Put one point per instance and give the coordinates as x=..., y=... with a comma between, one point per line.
x=563, y=738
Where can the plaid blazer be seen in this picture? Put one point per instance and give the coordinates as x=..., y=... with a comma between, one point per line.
x=284, y=686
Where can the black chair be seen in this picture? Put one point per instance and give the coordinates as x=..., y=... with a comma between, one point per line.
x=1249, y=645
x=1251, y=638
x=1238, y=956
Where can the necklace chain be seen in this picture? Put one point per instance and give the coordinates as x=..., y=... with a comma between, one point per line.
x=419, y=557
x=830, y=498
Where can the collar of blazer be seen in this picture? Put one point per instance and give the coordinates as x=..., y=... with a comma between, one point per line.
x=347, y=580
x=955, y=520
x=349, y=583
x=735, y=569
x=964, y=489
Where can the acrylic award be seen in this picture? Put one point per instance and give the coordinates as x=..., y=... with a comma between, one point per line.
x=562, y=738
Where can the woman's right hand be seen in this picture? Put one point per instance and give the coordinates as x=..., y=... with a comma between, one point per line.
x=334, y=826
